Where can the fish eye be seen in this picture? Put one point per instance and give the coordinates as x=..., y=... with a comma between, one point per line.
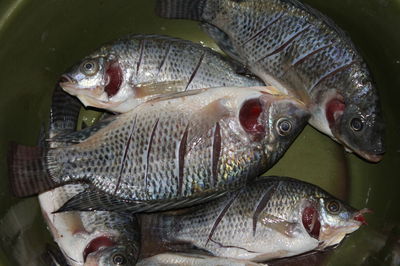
x=333, y=207
x=356, y=124
x=284, y=126
x=119, y=259
x=89, y=67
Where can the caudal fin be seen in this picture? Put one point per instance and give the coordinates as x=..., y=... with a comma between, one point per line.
x=180, y=9
x=27, y=172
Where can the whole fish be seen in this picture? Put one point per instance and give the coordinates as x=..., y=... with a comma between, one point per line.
x=84, y=238
x=174, y=151
x=273, y=217
x=300, y=51
x=122, y=74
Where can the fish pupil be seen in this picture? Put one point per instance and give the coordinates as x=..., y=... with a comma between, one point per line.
x=311, y=223
x=248, y=117
x=114, y=74
x=356, y=124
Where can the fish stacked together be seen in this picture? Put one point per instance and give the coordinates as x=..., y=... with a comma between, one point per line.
x=174, y=177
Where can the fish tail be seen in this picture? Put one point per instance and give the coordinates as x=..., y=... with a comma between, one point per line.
x=180, y=9
x=27, y=171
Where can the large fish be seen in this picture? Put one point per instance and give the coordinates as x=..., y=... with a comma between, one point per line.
x=122, y=74
x=177, y=150
x=84, y=238
x=271, y=218
x=301, y=52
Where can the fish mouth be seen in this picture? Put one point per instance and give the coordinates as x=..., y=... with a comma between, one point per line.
x=371, y=157
x=68, y=84
x=359, y=216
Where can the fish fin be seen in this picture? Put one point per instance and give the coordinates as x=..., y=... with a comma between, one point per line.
x=94, y=199
x=174, y=95
x=53, y=256
x=64, y=112
x=204, y=119
x=27, y=171
x=222, y=40
x=156, y=88
x=79, y=136
x=278, y=224
x=180, y=9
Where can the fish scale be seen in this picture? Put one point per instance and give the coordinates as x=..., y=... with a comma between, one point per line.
x=185, y=147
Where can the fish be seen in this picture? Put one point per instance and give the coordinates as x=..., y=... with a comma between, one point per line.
x=129, y=71
x=185, y=259
x=83, y=238
x=270, y=218
x=303, y=53
x=174, y=151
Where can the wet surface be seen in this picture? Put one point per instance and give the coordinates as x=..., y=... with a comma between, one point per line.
x=39, y=39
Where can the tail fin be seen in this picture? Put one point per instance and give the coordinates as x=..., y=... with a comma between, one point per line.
x=27, y=172
x=180, y=9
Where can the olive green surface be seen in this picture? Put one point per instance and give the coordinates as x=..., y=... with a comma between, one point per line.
x=39, y=39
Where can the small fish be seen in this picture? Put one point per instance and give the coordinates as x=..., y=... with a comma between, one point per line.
x=174, y=151
x=84, y=238
x=273, y=217
x=301, y=52
x=134, y=69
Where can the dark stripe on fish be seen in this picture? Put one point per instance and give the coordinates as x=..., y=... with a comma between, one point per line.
x=181, y=159
x=216, y=152
x=262, y=204
x=164, y=58
x=330, y=74
x=222, y=214
x=149, y=150
x=141, y=48
x=223, y=246
x=195, y=70
x=286, y=43
x=263, y=30
x=302, y=59
x=124, y=157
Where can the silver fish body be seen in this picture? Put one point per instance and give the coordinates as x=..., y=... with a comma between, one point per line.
x=178, y=148
x=80, y=235
x=301, y=52
x=131, y=70
x=273, y=217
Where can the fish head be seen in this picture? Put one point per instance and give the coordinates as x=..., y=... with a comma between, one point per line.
x=96, y=81
x=354, y=117
x=361, y=129
x=114, y=255
x=329, y=220
x=282, y=118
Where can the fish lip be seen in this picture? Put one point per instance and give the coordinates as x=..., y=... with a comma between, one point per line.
x=66, y=80
x=67, y=83
x=371, y=157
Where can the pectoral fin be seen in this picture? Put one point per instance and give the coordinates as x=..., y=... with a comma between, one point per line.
x=205, y=119
x=277, y=224
x=159, y=88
